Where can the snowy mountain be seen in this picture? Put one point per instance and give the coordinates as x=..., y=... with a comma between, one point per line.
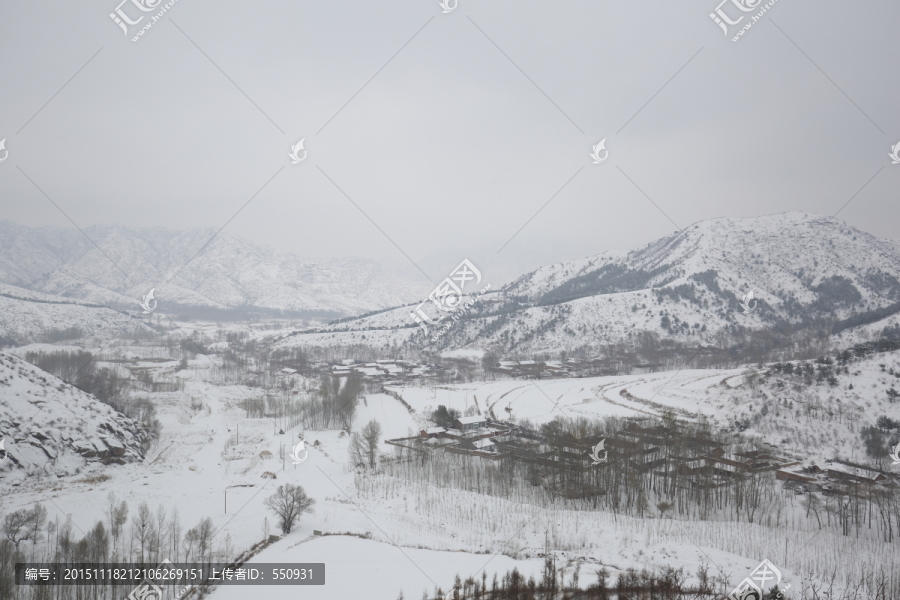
x=228, y=272
x=777, y=254
x=27, y=316
x=808, y=273
x=51, y=427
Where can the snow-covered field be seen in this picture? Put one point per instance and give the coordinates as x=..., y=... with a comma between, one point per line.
x=208, y=448
x=722, y=395
x=360, y=568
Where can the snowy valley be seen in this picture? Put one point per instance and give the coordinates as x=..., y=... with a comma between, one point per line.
x=186, y=426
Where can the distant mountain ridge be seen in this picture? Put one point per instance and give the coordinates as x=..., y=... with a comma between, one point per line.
x=752, y=250
x=229, y=272
x=808, y=272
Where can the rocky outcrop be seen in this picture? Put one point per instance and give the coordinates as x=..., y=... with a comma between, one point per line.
x=51, y=428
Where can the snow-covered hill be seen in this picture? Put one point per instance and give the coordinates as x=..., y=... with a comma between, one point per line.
x=229, y=272
x=52, y=428
x=807, y=271
x=777, y=254
x=27, y=316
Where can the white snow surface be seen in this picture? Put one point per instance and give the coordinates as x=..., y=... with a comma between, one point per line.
x=442, y=531
x=228, y=272
x=48, y=426
x=29, y=316
x=743, y=253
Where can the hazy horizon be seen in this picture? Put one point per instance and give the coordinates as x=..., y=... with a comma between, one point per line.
x=432, y=137
x=399, y=267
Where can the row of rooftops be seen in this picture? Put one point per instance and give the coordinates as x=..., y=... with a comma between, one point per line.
x=550, y=367
x=835, y=472
x=562, y=368
x=380, y=369
x=468, y=434
x=376, y=369
x=462, y=426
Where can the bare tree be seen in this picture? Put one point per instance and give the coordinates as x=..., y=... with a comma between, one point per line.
x=204, y=537
x=110, y=513
x=175, y=532
x=289, y=502
x=357, y=450
x=15, y=526
x=190, y=541
x=24, y=524
x=490, y=361
x=117, y=514
x=36, y=521
x=8, y=560
x=198, y=540
x=160, y=531
x=143, y=526
x=663, y=508
x=97, y=544
x=364, y=445
x=371, y=436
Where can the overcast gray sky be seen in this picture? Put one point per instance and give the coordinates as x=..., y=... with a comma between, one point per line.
x=470, y=122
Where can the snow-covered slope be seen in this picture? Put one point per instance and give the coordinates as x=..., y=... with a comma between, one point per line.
x=806, y=270
x=228, y=272
x=50, y=427
x=27, y=316
x=777, y=254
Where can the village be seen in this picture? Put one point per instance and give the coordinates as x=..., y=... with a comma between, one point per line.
x=670, y=454
x=391, y=371
x=685, y=460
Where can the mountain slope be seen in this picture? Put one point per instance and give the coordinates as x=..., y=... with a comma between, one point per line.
x=809, y=273
x=228, y=272
x=778, y=254
x=27, y=316
x=51, y=427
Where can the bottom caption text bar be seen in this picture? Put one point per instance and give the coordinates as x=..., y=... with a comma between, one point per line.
x=168, y=573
